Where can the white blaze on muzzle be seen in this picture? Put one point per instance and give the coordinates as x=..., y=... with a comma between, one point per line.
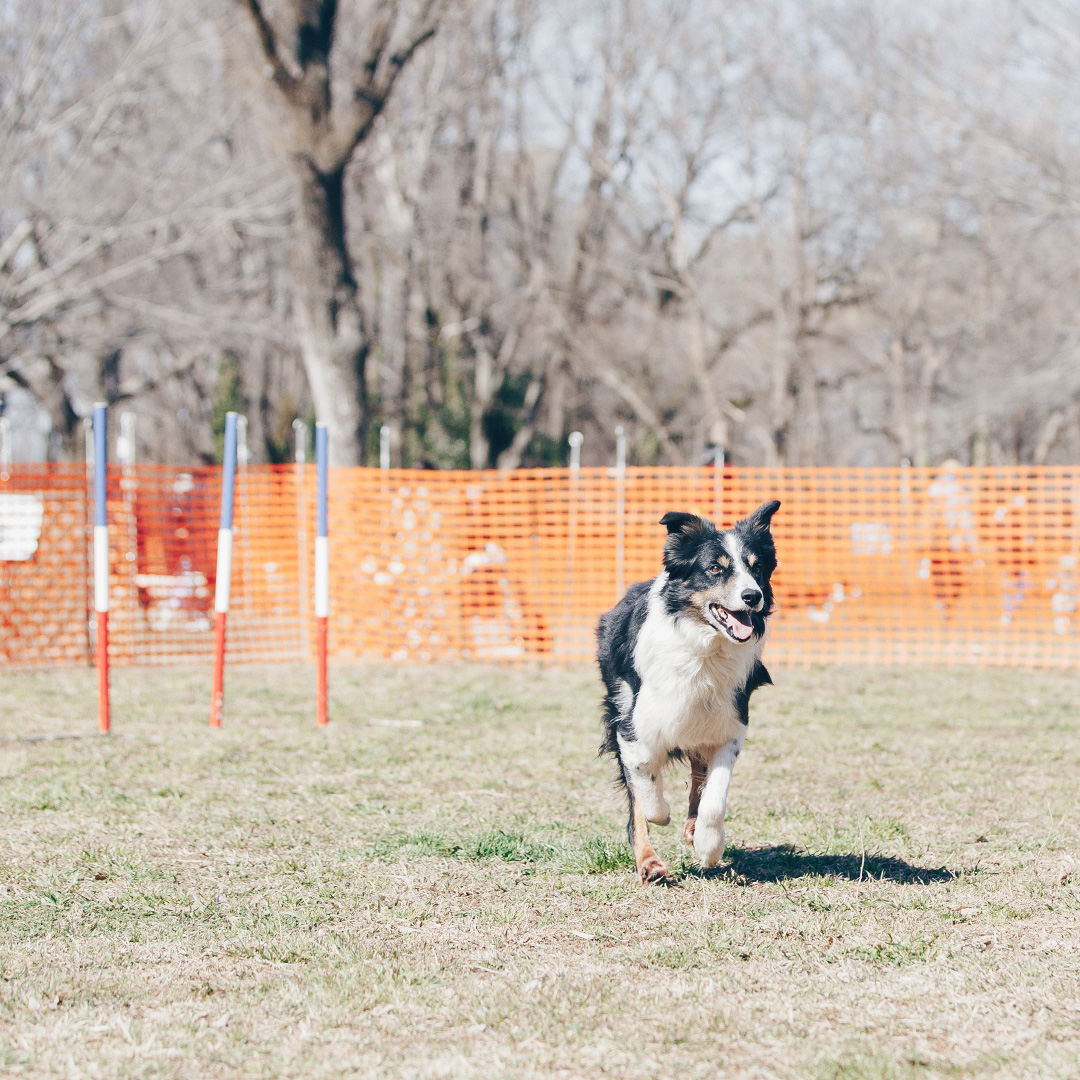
x=740, y=581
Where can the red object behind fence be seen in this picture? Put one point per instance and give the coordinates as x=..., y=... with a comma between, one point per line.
x=972, y=566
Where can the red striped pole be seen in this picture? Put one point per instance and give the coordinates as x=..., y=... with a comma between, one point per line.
x=101, y=562
x=322, y=572
x=224, y=568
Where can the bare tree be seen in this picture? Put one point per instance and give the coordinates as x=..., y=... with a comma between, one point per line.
x=806, y=234
x=132, y=225
x=332, y=76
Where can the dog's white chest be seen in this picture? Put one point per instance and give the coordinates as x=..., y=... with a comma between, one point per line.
x=689, y=681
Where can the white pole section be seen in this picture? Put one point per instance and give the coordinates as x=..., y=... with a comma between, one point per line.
x=225, y=531
x=322, y=542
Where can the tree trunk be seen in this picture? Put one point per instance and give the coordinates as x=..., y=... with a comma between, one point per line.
x=328, y=317
x=45, y=379
x=900, y=425
x=805, y=428
x=483, y=392
x=931, y=359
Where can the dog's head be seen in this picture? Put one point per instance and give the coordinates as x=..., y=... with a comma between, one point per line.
x=721, y=578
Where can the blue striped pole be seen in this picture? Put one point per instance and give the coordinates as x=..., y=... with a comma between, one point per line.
x=101, y=561
x=224, y=567
x=322, y=570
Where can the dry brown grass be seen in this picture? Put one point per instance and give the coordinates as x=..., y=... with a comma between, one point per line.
x=447, y=893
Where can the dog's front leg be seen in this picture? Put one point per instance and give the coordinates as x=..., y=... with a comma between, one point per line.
x=698, y=769
x=644, y=788
x=709, y=828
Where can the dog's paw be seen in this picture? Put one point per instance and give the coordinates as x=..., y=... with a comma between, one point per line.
x=708, y=843
x=660, y=815
x=688, y=831
x=652, y=871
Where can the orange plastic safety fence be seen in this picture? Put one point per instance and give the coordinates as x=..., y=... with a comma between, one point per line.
x=45, y=595
x=876, y=565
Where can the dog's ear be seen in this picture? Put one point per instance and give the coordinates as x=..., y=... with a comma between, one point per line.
x=760, y=519
x=685, y=533
x=677, y=522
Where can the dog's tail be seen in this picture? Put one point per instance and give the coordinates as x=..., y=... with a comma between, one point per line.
x=609, y=744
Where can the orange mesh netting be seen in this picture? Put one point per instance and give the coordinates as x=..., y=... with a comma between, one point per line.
x=876, y=565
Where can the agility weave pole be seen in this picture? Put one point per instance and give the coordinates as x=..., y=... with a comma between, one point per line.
x=322, y=571
x=224, y=567
x=101, y=561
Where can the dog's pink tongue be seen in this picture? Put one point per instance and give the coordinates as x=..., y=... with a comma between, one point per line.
x=740, y=630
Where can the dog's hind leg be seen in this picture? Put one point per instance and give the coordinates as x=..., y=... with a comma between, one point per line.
x=642, y=774
x=649, y=866
x=697, y=782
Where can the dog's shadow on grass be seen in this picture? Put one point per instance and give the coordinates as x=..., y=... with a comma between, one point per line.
x=783, y=862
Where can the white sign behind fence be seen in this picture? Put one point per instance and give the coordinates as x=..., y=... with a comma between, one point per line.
x=21, y=515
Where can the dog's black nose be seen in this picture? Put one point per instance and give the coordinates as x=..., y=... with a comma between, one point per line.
x=751, y=597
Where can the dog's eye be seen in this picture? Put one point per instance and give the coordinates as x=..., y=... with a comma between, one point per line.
x=713, y=570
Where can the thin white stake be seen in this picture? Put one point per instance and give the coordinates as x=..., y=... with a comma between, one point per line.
x=301, y=437
x=88, y=435
x=300, y=430
x=241, y=441
x=5, y=443
x=243, y=459
x=125, y=444
x=620, y=512
x=575, y=440
x=125, y=453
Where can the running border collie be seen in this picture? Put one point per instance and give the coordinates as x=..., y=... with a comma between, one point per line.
x=680, y=656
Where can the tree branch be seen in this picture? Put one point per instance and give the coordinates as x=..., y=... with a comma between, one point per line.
x=352, y=123
x=644, y=413
x=268, y=40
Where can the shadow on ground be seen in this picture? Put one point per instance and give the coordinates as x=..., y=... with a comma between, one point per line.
x=782, y=862
x=601, y=854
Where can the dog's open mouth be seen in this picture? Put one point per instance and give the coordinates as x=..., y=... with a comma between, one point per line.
x=736, y=623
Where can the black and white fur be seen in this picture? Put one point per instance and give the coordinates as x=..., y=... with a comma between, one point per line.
x=680, y=656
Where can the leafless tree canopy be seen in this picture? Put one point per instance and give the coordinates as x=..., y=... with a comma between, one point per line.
x=835, y=233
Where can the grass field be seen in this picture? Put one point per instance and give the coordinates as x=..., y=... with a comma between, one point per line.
x=438, y=885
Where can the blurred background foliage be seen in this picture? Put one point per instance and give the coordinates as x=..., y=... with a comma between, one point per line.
x=833, y=233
